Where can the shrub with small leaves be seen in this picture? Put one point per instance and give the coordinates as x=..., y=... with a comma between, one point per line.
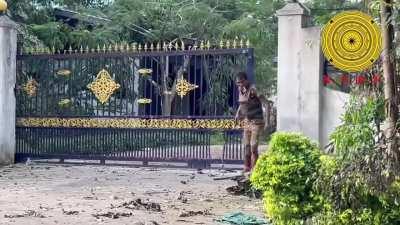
x=286, y=173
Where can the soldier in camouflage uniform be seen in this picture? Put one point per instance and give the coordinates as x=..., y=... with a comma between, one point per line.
x=251, y=112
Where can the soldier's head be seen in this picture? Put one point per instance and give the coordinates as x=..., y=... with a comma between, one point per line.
x=241, y=80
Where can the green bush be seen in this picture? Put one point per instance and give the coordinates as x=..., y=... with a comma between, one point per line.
x=351, y=185
x=323, y=184
x=285, y=174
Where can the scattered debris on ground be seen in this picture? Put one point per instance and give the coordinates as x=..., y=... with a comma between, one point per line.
x=14, y=216
x=139, y=223
x=34, y=214
x=243, y=187
x=232, y=177
x=206, y=200
x=113, y=197
x=45, y=208
x=112, y=215
x=27, y=213
x=155, y=192
x=196, y=213
x=149, y=223
x=90, y=198
x=182, y=196
x=185, y=221
x=139, y=205
x=70, y=213
x=70, y=194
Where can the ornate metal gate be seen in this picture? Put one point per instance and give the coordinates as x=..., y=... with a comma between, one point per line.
x=145, y=103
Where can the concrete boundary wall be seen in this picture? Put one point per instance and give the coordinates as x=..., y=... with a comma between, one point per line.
x=303, y=104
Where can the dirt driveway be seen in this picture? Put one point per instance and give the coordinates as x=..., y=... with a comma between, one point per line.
x=68, y=194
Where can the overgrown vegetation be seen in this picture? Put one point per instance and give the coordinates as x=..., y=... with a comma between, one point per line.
x=360, y=127
x=351, y=186
x=357, y=185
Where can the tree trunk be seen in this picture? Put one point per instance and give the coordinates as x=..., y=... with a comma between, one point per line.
x=389, y=76
x=135, y=81
x=167, y=104
x=169, y=93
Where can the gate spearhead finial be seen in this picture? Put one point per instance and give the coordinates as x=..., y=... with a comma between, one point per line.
x=3, y=6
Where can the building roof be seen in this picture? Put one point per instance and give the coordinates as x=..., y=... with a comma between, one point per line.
x=73, y=17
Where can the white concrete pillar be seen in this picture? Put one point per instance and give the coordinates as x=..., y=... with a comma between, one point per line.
x=299, y=72
x=8, y=52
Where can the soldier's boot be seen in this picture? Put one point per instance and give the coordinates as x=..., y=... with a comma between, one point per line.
x=247, y=159
x=254, y=156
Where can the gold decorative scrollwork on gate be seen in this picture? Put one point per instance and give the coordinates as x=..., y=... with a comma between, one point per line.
x=129, y=123
x=183, y=87
x=31, y=87
x=103, y=86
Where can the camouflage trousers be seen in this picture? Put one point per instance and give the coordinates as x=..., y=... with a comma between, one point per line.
x=251, y=135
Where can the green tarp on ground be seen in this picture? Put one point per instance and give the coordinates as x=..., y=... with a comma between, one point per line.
x=239, y=218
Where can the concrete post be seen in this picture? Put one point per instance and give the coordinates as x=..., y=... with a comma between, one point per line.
x=8, y=52
x=299, y=72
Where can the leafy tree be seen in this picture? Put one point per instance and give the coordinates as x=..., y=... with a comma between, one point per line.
x=323, y=10
x=152, y=21
x=259, y=23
